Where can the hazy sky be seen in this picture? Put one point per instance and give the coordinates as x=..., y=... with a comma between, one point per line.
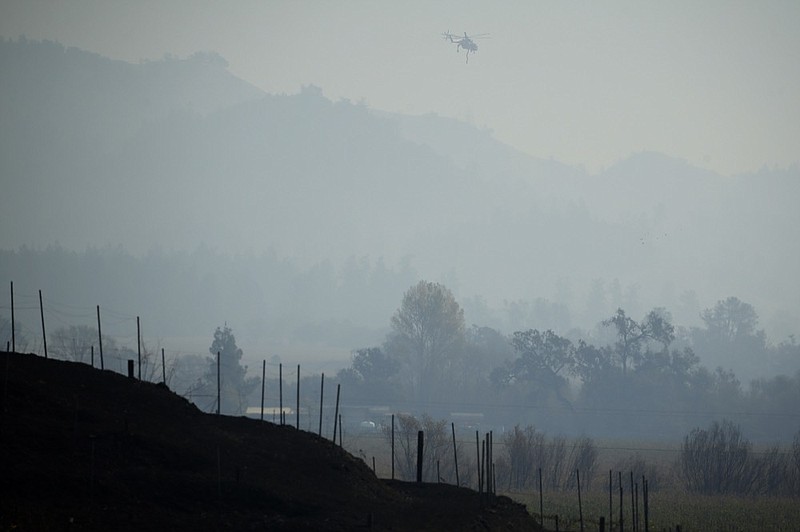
x=587, y=83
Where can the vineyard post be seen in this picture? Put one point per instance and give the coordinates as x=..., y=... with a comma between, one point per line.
x=219, y=387
x=621, y=517
x=321, y=396
x=336, y=412
x=636, y=512
x=13, y=324
x=645, y=501
x=420, y=449
x=92, y=355
x=633, y=506
x=610, y=501
x=455, y=451
x=280, y=391
x=392, y=446
x=139, y=345
x=489, y=464
x=483, y=468
x=341, y=442
x=580, y=504
x=163, y=367
x=541, y=499
x=438, y=474
x=100, y=339
x=44, y=334
x=263, y=384
x=374, y=471
x=297, y=414
x=478, y=458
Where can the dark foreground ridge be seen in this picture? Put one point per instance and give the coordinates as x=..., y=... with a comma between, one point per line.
x=84, y=449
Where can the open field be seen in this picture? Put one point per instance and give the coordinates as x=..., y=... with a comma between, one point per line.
x=668, y=506
x=667, y=509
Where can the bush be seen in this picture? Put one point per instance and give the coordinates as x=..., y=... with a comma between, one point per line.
x=526, y=450
x=721, y=461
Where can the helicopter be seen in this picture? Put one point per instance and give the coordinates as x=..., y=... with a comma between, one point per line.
x=465, y=42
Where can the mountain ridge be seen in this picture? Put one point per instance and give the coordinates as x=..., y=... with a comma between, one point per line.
x=319, y=180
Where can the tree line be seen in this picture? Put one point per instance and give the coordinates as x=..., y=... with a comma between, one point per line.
x=645, y=379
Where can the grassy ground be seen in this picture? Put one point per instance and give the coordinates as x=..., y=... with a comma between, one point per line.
x=668, y=509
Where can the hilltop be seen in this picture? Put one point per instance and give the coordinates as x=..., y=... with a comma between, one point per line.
x=85, y=449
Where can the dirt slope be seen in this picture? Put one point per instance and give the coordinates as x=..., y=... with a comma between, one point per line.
x=84, y=449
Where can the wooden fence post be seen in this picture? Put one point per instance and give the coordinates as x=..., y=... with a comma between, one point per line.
x=280, y=391
x=219, y=386
x=163, y=367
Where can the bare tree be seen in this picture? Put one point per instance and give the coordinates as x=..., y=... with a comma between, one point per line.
x=526, y=450
x=437, y=448
x=75, y=343
x=632, y=335
x=429, y=327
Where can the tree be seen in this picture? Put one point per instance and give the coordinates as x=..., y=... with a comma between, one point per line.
x=631, y=336
x=592, y=363
x=730, y=338
x=542, y=356
x=370, y=376
x=730, y=320
x=373, y=364
x=75, y=343
x=429, y=328
x=437, y=447
x=235, y=386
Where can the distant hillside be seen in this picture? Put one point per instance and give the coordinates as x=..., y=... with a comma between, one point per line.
x=178, y=154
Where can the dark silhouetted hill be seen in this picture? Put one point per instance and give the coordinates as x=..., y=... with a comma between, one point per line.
x=84, y=449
